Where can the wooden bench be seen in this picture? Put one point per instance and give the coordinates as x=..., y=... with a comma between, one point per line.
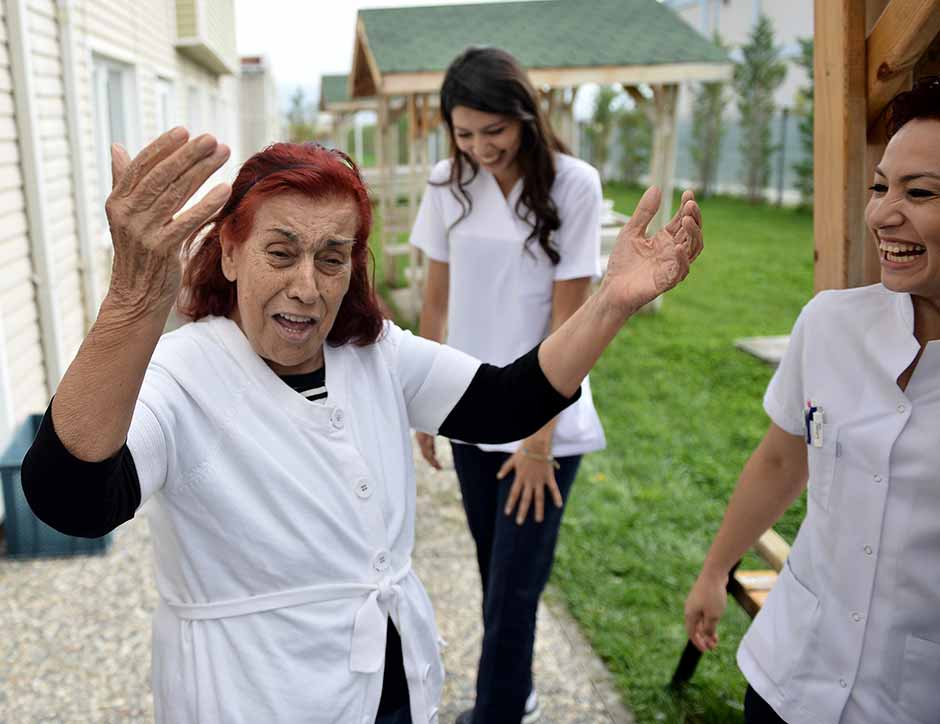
x=748, y=588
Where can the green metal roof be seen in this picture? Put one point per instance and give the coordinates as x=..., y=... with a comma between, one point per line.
x=334, y=89
x=540, y=33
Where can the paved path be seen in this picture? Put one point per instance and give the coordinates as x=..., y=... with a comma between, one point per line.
x=75, y=633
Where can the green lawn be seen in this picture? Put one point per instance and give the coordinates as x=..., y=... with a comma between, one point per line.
x=682, y=411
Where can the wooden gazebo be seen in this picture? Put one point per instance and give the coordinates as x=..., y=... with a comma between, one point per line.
x=866, y=51
x=335, y=100
x=403, y=53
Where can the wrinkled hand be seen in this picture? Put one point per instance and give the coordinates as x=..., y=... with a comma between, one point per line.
x=146, y=194
x=528, y=487
x=704, y=606
x=641, y=268
x=426, y=443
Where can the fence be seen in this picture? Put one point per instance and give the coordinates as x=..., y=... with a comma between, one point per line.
x=782, y=184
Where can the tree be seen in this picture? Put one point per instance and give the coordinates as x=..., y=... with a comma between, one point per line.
x=708, y=129
x=601, y=126
x=804, y=108
x=300, y=125
x=756, y=77
x=635, y=137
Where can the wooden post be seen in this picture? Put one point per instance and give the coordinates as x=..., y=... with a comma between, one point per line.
x=662, y=112
x=866, y=52
x=840, y=142
x=414, y=140
x=383, y=159
x=413, y=133
x=665, y=145
x=357, y=135
x=569, y=127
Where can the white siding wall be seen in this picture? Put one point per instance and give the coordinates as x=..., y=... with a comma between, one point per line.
x=19, y=308
x=142, y=35
x=57, y=172
x=139, y=37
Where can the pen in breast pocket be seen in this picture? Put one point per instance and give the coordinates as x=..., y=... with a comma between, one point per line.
x=816, y=424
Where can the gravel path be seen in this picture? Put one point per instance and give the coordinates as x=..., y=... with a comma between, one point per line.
x=75, y=633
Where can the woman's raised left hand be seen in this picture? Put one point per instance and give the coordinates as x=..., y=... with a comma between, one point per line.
x=532, y=477
x=641, y=268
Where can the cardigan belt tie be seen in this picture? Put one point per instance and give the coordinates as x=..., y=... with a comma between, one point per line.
x=367, y=654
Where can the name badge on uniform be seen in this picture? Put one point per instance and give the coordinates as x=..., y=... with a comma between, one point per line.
x=815, y=418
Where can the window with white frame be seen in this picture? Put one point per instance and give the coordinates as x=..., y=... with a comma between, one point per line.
x=115, y=120
x=166, y=116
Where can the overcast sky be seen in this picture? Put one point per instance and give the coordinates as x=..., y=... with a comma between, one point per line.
x=304, y=39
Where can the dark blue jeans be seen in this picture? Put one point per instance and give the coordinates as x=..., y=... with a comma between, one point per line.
x=758, y=711
x=515, y=562
x=402, y=716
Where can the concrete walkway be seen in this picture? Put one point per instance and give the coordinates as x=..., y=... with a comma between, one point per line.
x=75, y=633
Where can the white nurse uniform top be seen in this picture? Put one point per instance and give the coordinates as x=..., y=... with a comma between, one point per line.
x=500, y=303
x=283, y=530
x=850, y=634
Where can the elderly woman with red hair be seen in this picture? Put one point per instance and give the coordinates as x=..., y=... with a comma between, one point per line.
x=270, y=437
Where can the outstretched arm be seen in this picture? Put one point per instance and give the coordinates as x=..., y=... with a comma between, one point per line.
x=541, y=383
x=638, y=271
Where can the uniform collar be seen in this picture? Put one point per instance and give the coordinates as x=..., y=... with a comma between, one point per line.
x=897, y=333
x=230, y=335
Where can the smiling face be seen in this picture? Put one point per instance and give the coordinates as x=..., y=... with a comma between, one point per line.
x=904, y=210
x=490, y=139
x=291, y=274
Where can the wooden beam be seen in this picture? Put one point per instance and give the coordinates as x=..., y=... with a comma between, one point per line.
x=666, y=73
x=900, y=37
x=663, y=74
x=840, y=142
x=366, y=104
x=773, y=549
x=365, y=80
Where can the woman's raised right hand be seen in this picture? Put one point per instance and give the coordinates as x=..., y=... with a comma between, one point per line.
x=146, y=195
x=704, y=606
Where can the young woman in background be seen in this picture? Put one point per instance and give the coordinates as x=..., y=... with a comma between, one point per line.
x=511, y=226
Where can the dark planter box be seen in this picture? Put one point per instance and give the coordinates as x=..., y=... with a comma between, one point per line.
x=27, y=536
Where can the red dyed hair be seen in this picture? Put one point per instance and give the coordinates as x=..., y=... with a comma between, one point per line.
x=312, y=170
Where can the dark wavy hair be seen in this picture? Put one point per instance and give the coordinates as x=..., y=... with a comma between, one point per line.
x=922, y=101
x=492, y=81
x=316, y=172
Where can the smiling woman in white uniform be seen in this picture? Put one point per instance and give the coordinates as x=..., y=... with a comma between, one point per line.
x=511, y=226
x=269, y=441
x=850, y=634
